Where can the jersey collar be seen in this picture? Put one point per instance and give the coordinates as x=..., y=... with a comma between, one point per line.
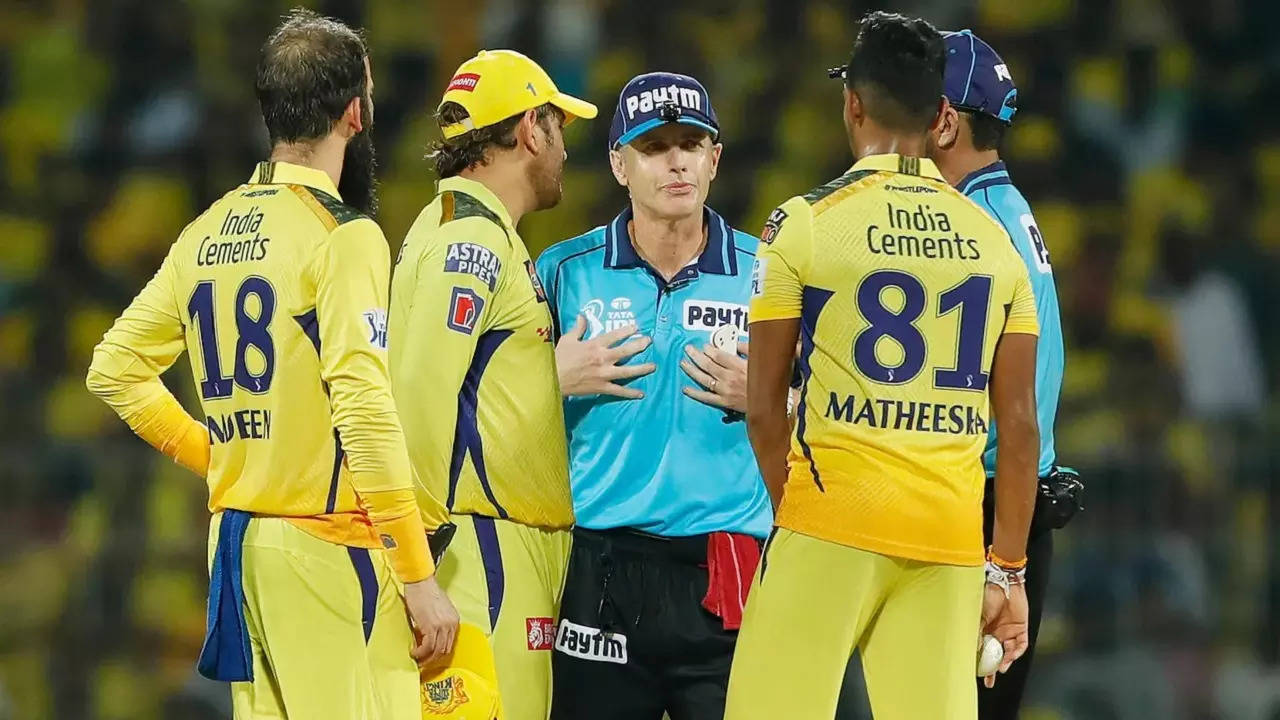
x=893, y=162
x=719, y=257
x=479, y=191
x=271, y=172
x=994, y=174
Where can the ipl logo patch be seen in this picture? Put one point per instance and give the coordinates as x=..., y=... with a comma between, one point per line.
x=444, y=695
x=377, y=320
x=601, y=320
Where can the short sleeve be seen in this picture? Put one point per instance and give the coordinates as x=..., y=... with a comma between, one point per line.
x=1022, y=309
x=782, y=262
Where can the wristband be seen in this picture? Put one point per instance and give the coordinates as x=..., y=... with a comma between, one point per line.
x=1004, y=578
x=1000, y=562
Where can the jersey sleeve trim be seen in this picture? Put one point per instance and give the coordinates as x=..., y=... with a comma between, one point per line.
x=817, y=195
x=455, y=205
x=330, y=211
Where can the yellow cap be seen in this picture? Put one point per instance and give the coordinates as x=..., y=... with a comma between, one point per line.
x=497, y=84
x=465, y=686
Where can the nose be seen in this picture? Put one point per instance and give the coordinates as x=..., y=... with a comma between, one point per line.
x=677, y=159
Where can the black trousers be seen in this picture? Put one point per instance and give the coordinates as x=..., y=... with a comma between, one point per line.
x=1002, y=701
x=634, y=640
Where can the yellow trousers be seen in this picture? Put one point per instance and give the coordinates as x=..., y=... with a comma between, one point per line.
x=327, y=628
x=813, y=602
x=507, y=579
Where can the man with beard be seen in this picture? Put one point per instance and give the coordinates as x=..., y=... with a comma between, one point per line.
x=280, y=291
x=473, y=368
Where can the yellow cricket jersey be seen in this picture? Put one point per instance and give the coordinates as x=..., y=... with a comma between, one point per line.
x=903, y=287
x=473, y=365
x=279, y=292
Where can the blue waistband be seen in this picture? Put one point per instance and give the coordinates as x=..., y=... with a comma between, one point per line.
x=226, y=655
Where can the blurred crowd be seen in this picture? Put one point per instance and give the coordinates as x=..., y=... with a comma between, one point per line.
x=1145, y=143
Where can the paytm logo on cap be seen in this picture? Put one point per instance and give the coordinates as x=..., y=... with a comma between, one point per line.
x=647, y=100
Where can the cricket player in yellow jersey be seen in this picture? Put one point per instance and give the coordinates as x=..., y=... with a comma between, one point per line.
x=473, y=367
x=279, y=291
x=917, y=329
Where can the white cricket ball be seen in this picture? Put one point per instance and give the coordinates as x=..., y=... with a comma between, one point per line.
x=990, y=653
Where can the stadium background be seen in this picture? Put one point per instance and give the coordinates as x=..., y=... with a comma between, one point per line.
x=1146, y=142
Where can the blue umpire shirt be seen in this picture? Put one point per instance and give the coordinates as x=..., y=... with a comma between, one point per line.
x=665, y=464
x=994, y=192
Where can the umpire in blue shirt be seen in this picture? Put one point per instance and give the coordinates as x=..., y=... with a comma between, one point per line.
x=671, y=508
x=966, y=148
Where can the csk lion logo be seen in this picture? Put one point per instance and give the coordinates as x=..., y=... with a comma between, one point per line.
x=443, y=695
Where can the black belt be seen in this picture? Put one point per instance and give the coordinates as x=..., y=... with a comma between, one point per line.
x=690, y=549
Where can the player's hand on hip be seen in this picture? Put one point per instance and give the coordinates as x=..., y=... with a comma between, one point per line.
x=434, y=618
x=1007, y=620
x=592, y=367
x=722, y=373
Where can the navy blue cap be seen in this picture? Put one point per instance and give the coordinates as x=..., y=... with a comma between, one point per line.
x=652, y=99
x=976, y=79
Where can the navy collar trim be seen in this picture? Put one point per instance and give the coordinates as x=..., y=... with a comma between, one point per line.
x=994, y=174
x=719, y=257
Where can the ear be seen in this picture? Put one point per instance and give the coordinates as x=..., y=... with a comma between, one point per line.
x=716, y=149
x=946, y=128
x=351, y=123
x=853, y=111
x=619, y=166
x=529, y=134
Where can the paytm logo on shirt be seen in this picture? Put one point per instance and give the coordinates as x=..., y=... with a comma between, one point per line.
x=711, y=314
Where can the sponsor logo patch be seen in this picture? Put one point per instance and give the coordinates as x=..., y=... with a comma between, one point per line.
x=645, y=101
x=464, y=310
x=376, y=319
x=711, y=314
x=591, y=643
x=541, y=632
x=475, y=260
x=538, y=291
x=1039, y=249
x=772, y=225
x=601, y=320
x=463, y=81
x=443, y=695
